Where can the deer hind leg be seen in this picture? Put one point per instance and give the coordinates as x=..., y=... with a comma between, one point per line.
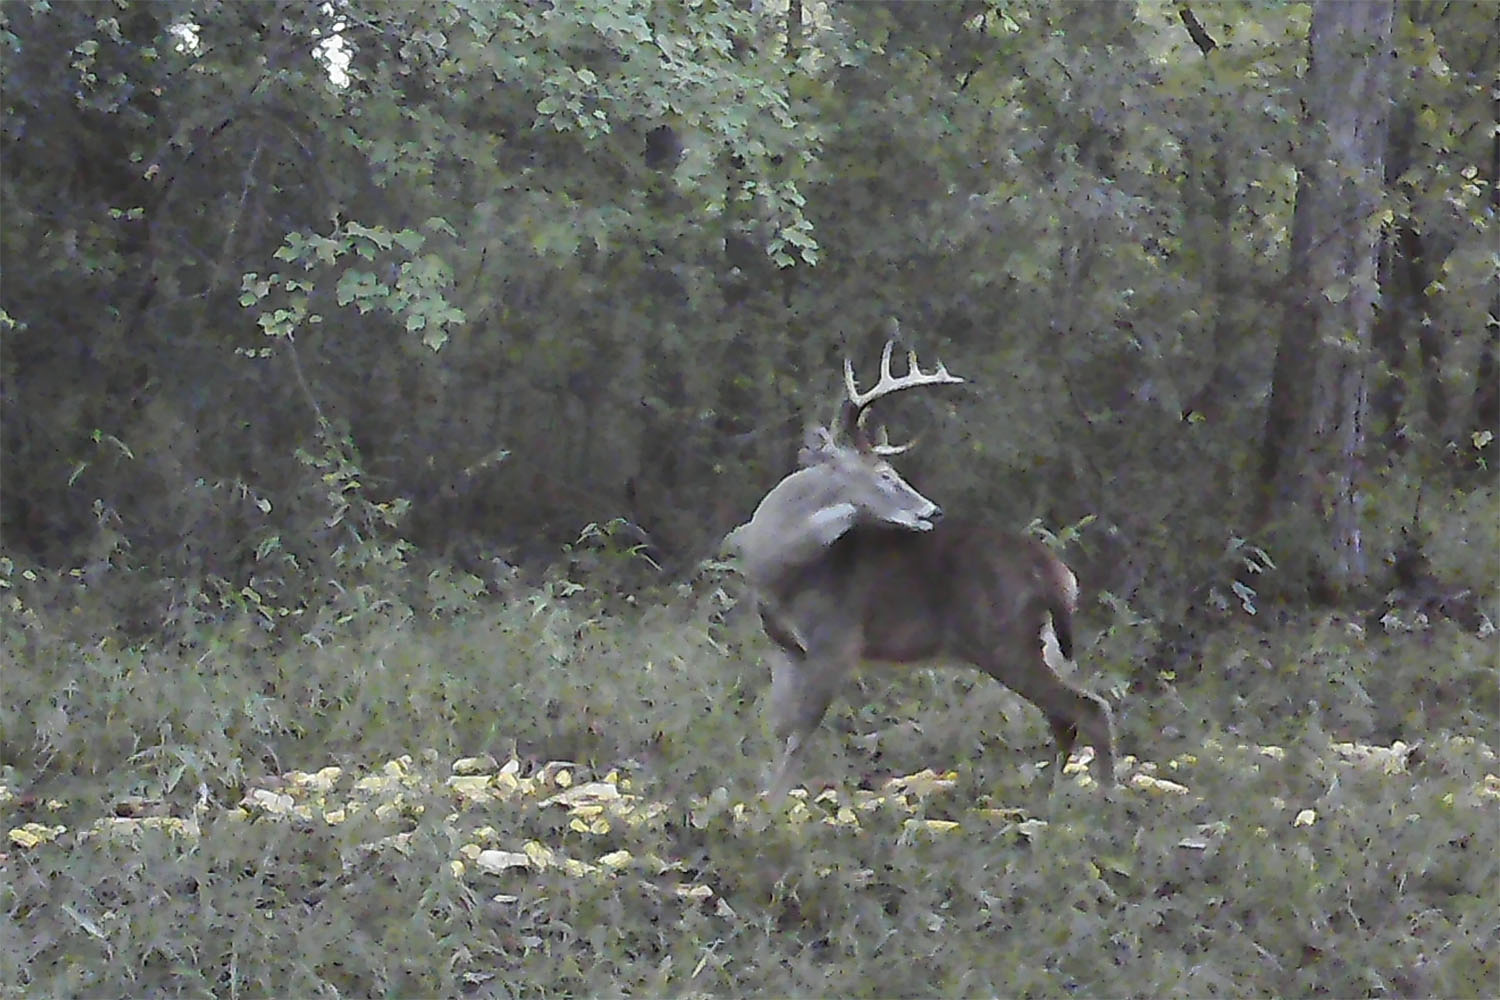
x=1064, y=735
x=1070, y=712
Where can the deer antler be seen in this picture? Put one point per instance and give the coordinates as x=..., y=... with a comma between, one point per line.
x=858, y=402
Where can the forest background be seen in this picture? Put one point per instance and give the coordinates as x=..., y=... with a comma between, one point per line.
x=335, y=330
x=479, y=279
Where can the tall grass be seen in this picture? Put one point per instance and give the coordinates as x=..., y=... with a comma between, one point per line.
x=1309, y=809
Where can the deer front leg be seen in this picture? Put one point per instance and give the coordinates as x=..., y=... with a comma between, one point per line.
x=792, y=719
x=802, y=687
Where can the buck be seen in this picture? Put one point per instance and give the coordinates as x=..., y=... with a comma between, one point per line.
x=849, y=562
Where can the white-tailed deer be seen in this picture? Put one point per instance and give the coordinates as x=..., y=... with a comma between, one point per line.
x=851, y=563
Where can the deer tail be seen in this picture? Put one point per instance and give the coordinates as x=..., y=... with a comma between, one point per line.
x=1062, y=599
x=1062, y=627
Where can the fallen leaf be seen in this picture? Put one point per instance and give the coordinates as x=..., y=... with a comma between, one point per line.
x=32, y=834
x=483, y=764
x=494, y=862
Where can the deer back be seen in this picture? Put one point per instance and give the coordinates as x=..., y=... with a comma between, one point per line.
x=959, y=590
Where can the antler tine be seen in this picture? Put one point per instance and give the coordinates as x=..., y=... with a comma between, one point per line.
x=884, y=446
x=851, y=386
x=857, y=404
x=889, y=383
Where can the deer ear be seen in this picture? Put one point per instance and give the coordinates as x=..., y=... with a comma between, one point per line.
x=832, y=523
x=817, y=446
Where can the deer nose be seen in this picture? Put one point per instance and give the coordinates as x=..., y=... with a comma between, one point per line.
x=936, y=515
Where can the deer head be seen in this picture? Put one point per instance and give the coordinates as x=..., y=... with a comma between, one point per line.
x=844, y=480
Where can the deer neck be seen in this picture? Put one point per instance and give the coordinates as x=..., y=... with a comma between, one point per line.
x=793, y=525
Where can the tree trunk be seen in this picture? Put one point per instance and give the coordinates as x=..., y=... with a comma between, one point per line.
x=1314, y=441
x=1487, y=372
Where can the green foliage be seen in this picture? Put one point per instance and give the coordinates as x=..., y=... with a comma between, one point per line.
x=638, y=234
x=415, y=296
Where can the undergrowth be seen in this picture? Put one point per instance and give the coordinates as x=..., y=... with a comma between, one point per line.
x=549, y=793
